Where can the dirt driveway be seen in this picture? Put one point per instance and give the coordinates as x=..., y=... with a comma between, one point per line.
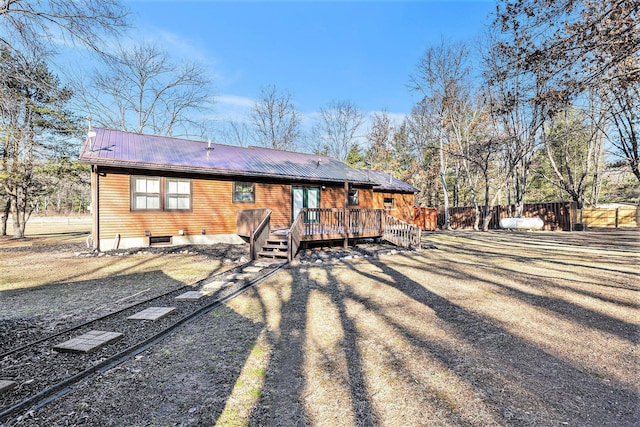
x=498, y=328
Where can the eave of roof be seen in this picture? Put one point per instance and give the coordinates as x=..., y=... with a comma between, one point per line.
x=386, y=182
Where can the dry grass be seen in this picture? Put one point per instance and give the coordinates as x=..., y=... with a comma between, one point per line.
x=487, y=329
x=45, y=271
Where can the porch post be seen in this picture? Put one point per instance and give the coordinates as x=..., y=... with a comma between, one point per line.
x=346, y=214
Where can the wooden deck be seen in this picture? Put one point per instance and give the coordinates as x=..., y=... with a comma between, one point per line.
x=322, y=224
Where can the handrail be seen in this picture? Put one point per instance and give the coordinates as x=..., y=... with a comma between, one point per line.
x=260, y=235
x=401, y=233
x=295, y=235
x=247, y=220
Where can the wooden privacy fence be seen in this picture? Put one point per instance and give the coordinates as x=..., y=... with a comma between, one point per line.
x=627, y=216
x=425, y=218
x=556, y=215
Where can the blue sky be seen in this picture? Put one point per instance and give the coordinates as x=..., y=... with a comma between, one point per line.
x=361, y=51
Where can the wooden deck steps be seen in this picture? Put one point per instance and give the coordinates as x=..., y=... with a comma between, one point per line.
x=276, y=247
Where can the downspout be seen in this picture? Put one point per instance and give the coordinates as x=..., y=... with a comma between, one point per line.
x=96, y=210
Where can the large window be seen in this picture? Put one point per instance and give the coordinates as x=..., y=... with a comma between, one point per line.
x=146, y=193
x=244, y=192
x=178, y=194
x=155, y=193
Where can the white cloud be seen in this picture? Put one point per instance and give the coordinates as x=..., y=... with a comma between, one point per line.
x=234, y=108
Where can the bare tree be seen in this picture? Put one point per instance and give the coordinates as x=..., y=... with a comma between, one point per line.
x=573, y=47
x=141, y=90
x=439, y=77
x=422, y=136
x=573, y=146
x=235, y=133
x=336, y=132
x=37, y=24
x=621, y=98
x=380, y=138
x=276, y=122
x=514, y=95
x=576, y=41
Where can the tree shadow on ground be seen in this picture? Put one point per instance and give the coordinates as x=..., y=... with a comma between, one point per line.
x=522, y=368
x=31, y=314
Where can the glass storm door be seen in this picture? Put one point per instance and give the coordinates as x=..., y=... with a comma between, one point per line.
x=305, y=197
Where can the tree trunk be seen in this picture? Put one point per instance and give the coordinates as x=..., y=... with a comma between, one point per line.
x=15, y=215
x=5, y=216
x=487, y=218
x=445, y=192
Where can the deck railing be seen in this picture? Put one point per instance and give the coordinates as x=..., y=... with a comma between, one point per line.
x=327, y=224
x=247, y=220
x=365, y=221
x=295, y=236
x=400, y=233
x=345, y=223
x=255, y=224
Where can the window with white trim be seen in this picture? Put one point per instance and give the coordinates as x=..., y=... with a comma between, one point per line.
x=158, y=194
x=146, y=193
x=177, y=194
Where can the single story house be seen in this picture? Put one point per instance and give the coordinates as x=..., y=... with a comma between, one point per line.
x=150, y=189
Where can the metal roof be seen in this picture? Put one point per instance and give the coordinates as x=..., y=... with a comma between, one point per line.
x=107, y=147
x=386, y=182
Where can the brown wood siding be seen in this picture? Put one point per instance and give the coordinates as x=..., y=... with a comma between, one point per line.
x=212, y=204
x=212, y=209
x=402, y=204
x=333, y=197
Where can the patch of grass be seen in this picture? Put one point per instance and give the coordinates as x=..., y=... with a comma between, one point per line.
x=258, y=372
x=257, y=351
x=230, y=417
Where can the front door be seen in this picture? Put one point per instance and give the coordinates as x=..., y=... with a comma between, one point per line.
x=305, y=197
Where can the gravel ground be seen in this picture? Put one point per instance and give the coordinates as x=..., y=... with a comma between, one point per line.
x=478, y=329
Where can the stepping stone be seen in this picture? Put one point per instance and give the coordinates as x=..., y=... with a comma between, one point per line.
x=239, y=276
x=266, y=264
x=6, y=385
x=153, y=313
x=91, y=341
x=192, y=296
x=215, y=285
x=252, y=269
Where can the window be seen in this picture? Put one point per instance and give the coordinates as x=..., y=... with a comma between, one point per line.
x=146, y=193
x=155, y=193
x=243, y=192
x=388, y=203
x=354, y=198
x=177, y=194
